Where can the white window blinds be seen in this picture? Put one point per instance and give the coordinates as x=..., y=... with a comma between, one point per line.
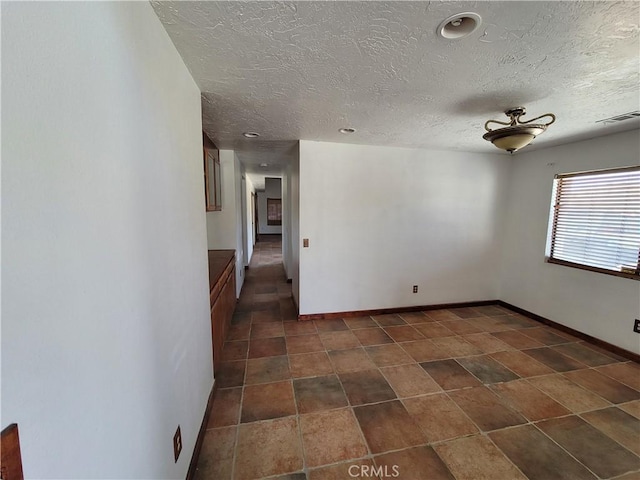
x=596, y=220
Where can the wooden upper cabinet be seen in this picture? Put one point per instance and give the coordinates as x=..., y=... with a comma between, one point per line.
x=212, y=175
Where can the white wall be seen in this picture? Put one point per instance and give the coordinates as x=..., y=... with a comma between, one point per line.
x=380, y=220
x=105, y=317
x=272, y=189
x=599, y=305
x=294, y=205
x=239, y=247
x=248, y=219
x=248, y=232
x=286, y=222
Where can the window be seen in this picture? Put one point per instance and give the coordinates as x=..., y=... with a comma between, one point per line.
x=274, y=211
x=596, y=221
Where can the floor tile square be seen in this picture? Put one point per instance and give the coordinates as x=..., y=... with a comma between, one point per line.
x=235, y=351
x=388, y=320
x=627, y=373
x=554, y=359
x=266, y=401
x=319, y=393
x=416, y=317
x=299, y=328
x=544, y=335
x=350, y=360
x=493, y=324
x=339, y=340
x=216, y=455
x=602, y=455
x=267, y=330
x=409, y=380
x=486, y=409
x=357, y=323
x=490, y=310
x=403, y=333
x=304, y=344
x=547, y=460
x=487, y=370
x=355, y=469
x=331, y=437
x=424, y=351
x=449, y=374
x=440, y=315
x=567, y=393
x=267, y=312
x=521, y=363
x=433, y=330
x=632, y=408
x=386, y=355
x=489, y=463
x=486, y=342
x=529, y=401
x=583, y=354
x=226, y=407
x=267, y=369
x=602, y=385
x=439, y=417
x=460, y=327
x=388, y=426
x=239, y=332
x=310, y=364
x=267, y=347
x=465, y=312
x=617, y=424
x=417, y=463
x=517, y=340
x=372, y=336
x=230, y=374
x=367, y=386
x=268, y=448
x=456, y=346
x=330, y=325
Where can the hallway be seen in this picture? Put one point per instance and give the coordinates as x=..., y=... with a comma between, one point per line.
x=470, y=393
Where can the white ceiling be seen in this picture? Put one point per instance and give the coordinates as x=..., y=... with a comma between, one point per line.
x=302, y=70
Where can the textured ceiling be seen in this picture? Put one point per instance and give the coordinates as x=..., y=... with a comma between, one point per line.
x=302, y=70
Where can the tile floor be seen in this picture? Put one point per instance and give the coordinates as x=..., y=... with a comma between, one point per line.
x=470, y=393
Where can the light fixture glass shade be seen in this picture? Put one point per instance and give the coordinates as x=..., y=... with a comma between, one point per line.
x=514, y=142
x=517, y=133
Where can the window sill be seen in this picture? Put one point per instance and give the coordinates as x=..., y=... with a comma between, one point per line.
x=564, y=263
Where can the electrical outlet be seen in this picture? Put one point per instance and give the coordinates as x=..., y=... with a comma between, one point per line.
x=415, y=289
x=177, y=444
x=636, y=326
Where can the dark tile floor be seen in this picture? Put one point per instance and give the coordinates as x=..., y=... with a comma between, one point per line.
x=470, y=393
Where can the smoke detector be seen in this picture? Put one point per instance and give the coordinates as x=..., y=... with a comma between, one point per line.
x=459, y=26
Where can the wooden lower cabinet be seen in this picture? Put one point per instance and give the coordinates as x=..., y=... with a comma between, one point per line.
x=222, y=279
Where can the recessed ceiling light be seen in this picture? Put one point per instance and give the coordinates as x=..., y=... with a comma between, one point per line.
x=251, y=134
x=264, y=164
x=347, y=131
x=459, y=26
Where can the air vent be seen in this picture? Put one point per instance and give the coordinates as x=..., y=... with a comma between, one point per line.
x=621, y=118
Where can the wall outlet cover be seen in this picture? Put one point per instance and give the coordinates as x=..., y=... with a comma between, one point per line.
x=177, y=444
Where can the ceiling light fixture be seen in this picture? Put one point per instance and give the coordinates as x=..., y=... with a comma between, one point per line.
x=517, y=134
x=347, y=131
x=251, y=134
x=263, y=165
x=459, y=26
